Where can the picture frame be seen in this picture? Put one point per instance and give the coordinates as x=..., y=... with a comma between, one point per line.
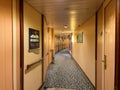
x=34, y=39
x=80, y=38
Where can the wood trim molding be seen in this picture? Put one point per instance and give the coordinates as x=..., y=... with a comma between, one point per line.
x=21, y=45
x=117, y=47
x=96, y=39
x=16, y=44
x=42, y=86
x=42, y=46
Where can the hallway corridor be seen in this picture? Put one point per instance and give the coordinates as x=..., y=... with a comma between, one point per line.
x=32, y=31
x=65, y=73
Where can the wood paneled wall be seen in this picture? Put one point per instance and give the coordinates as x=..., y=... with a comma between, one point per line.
x=6, y=82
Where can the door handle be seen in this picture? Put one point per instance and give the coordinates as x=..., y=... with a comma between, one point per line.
x=105, y=63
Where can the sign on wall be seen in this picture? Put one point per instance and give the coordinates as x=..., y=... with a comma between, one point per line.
x=34, y=39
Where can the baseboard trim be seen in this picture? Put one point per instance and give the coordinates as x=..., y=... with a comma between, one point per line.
x=41, y=86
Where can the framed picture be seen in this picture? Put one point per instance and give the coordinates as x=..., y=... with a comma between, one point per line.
x=34, y=39
x=80, y=38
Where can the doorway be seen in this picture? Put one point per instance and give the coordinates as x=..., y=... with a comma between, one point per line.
x=106, y=47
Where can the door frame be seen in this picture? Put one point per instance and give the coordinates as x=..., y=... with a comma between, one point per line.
x=42, y=25
x=21, y=45
x=117, y=46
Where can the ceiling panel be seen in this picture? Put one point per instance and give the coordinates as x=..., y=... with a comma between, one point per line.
x=66, y=12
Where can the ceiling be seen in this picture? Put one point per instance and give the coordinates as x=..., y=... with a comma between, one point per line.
x=66, y=12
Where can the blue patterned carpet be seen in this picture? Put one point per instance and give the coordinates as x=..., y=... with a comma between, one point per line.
x=65, y=73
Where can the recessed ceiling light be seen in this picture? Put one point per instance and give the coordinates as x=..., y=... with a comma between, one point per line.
x=65, y=26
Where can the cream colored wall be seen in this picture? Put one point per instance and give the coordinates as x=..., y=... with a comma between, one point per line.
x=84, y=53
x=57, y=32
x=32, y=19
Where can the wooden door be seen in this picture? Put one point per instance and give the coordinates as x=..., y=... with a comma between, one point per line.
x=6, y=71
x=109, y=14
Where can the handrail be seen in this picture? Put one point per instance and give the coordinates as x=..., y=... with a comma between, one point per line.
x=31, y=66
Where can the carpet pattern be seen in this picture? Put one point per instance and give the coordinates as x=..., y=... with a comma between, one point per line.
x=65, y=73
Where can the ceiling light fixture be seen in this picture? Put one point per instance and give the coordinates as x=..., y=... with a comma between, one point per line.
x=65, y=26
